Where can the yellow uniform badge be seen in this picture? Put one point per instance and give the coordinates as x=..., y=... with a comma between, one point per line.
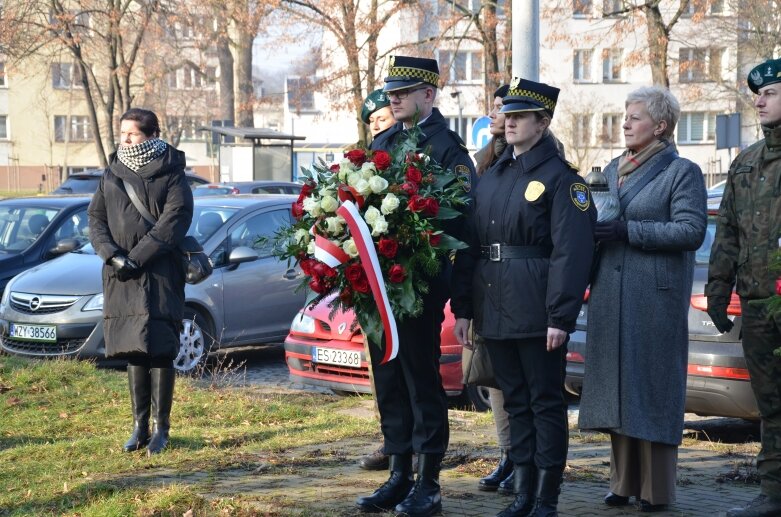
x=534, y=190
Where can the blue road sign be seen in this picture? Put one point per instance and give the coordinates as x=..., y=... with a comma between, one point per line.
x=480, y=133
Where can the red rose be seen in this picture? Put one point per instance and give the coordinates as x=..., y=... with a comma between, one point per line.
x=362, y=285
x=414, y=175
x=353, y=272
x=397, y=273
x=409, y=188
x=432, y=207
x=334, y=167
x=417, y=203
x=388, y=247
x=324, y=270
x=307, y=266
x=429, y=179
x=307, y=189
x=778, y=286
x=434, y=238
x=318, y=286
x=356, y=156
x=381, y=159
x=298, y=209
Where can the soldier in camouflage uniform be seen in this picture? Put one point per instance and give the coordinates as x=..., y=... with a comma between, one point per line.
x=748, y=234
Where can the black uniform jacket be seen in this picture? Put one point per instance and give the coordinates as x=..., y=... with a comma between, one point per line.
x=143, y=315
x=534, y=200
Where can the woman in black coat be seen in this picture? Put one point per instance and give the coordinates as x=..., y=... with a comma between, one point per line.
x=522, y=281
x=143, y=275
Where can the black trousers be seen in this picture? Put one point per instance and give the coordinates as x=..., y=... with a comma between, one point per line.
x=531, y=379
x=410, y=396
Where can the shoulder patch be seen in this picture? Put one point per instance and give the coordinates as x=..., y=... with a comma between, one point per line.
x=464, y=176
x=579, y=194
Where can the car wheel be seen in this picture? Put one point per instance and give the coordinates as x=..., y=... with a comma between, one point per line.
x=478, y=397
x=195, y=340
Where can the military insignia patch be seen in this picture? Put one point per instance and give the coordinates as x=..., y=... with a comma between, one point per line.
x=579, y=194
x=533, y=191
x=515, y=82
x=756, y=77
x=464, y=176
x=370, y=105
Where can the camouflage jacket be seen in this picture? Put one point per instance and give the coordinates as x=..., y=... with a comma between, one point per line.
x=748, y=227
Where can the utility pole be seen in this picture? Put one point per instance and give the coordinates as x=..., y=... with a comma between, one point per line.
x=526, y=39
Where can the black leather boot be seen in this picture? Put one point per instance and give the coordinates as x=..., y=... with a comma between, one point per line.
x=394, y=490
x=492, y=481
x=162, y=400
x=547, y=493
x=761, y=506
x=506, y=486
x=524, y=477
x=377, y=460
x=138, y=379
x=425, y=498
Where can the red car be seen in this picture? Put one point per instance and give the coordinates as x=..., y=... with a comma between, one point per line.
x=329, y=352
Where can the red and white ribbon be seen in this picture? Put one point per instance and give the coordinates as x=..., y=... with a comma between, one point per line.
x=371, y=265
x=328, y=252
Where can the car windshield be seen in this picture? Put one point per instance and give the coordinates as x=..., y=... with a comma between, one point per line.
x=211, y=191
x=208, y=219
x=21, y=226
x=79, y=185
x=703, y=254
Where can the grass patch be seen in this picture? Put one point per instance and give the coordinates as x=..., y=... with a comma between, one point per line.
x=63, y=423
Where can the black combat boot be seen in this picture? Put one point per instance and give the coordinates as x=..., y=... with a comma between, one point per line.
x=394, y=490
x=506, y=486
x=377, y=460
x=524, y=477
x=162, y=400
x=425, y=498
x=138, y=379
x=761, y=506
x=492, y=481
x=547, y=494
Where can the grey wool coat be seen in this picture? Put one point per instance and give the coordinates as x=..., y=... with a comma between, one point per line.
x=637, y=340
x=143, y=315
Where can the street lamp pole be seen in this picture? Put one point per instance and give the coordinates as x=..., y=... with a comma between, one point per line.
x=526, y=39
x=457, y=95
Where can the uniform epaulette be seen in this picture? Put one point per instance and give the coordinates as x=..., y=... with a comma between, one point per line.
x=569, y=164
x=458, y=139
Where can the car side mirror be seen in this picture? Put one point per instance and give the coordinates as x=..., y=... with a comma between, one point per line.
x=242, y=254
x=65, y=246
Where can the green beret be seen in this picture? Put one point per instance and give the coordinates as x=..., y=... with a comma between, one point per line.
x=376, y=100
x=768, y=72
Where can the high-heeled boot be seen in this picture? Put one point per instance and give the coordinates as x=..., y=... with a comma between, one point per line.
x=139, y=382
x=162, y=400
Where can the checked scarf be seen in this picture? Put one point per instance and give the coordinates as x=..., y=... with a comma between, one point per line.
x=136, y=156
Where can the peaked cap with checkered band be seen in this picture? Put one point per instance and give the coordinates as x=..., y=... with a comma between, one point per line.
x=407, y=72
x=525, y=95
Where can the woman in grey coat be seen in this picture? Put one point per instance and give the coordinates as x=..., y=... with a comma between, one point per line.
x=637, y=345
x=143, y=275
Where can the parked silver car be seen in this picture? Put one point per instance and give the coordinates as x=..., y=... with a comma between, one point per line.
x=55, y=309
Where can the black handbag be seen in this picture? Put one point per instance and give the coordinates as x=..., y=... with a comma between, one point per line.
x=476, y=364
x=197, y=265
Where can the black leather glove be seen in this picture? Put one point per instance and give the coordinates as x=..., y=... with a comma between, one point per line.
x=611, y=231
x=718, y=315
x=124, y=267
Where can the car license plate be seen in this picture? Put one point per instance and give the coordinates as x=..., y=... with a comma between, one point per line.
x=46, y=333
x=336, y=357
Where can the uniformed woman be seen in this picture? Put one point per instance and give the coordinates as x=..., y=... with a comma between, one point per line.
x=522, y=281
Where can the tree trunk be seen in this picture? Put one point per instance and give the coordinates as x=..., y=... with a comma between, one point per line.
x=227, y=98
x=658, y=43
x=246, y=101
x=93, y=113
x=492, y=74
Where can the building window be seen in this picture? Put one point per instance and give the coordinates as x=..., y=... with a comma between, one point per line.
x=582, y=65
x=696, y=127
x=461, y=67
x=3, y=127
x=3, y=82
x=72, y=129
x=702, y=7
x=611, y=129
x=66, y=75
x=697, y=65
x=581, y=8
x=187, y=126
x=611, y=6
x=448, y=7
x=581, y=125
x=464, y=129
x=300, y=94
x=611, y=65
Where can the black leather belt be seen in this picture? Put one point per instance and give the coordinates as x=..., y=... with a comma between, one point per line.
x=497, y=252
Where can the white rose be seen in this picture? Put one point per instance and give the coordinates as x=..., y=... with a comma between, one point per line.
x=426, y=158
x=346, y=166
x=327, y=192
x=371, y=215
x=310, y=248
x=378, y=184
x=363, y=187
x=389, y=204
x=334, y=225
x=379, y=227
x=353, y=178
x=329, y=204
x=368, y=170
x=350, y=248
x=301, y=236
x=312, y=206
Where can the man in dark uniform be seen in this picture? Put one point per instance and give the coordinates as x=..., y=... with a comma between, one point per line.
x=410, y=397
x=521, y=281
x=748, y=235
